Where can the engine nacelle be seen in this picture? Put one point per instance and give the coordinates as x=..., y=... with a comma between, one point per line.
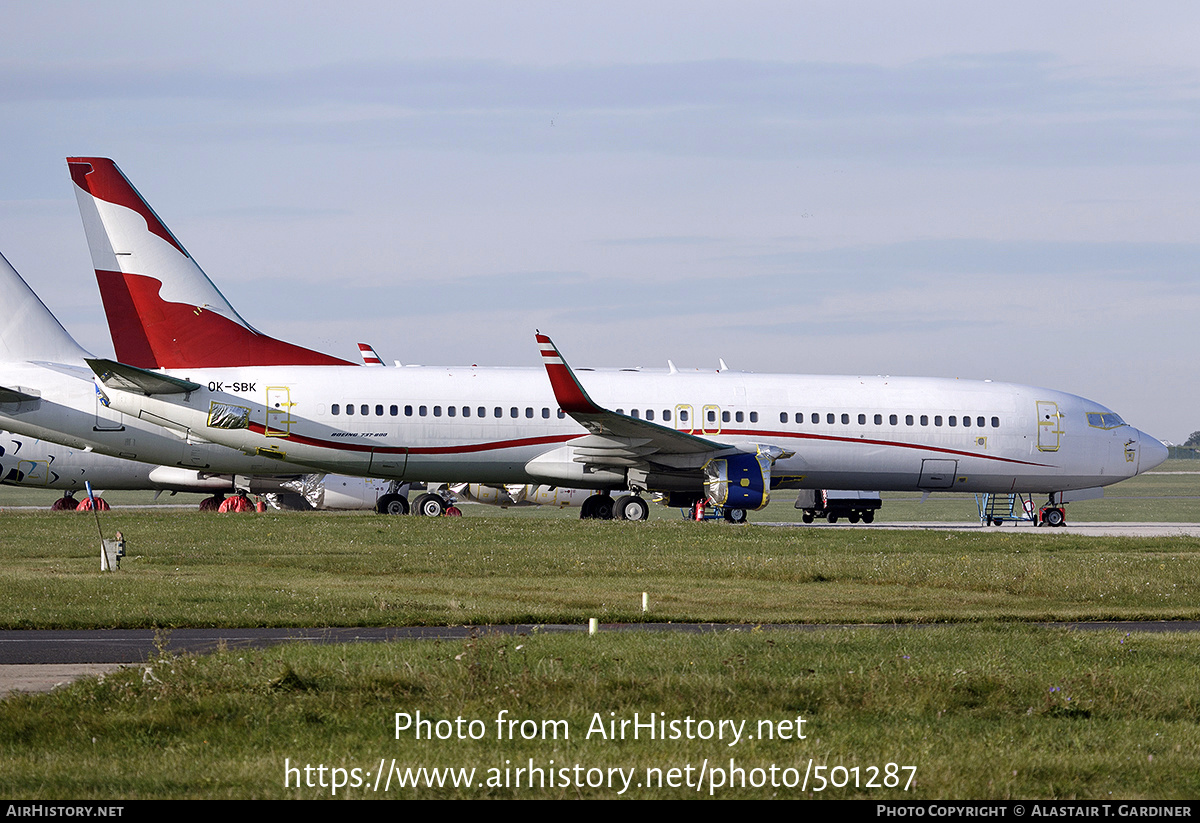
x=742, y=480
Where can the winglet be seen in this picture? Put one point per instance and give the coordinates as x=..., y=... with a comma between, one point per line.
x=571, y=397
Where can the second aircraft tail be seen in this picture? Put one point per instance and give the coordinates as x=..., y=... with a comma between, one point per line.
x=163, y=311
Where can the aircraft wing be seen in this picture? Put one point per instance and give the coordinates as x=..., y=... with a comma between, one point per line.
x=615, y=439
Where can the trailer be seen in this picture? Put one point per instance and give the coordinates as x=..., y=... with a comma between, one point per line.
x=831, y=505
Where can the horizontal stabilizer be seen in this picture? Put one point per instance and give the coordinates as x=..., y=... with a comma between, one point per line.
x=8, y=395
x=132, y=379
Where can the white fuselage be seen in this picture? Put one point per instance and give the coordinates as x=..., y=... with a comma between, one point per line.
x=502, y=425
x=69, y=411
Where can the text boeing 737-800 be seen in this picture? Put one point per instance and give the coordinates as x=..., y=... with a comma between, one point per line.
x=729, y=437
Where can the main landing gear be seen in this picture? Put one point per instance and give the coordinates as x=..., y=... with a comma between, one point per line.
x=427, y=505
x=626, y=507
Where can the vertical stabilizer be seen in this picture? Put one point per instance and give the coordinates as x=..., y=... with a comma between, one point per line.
x=163, y=311
x=28, y=331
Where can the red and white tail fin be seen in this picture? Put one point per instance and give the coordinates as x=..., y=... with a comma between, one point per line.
x=163, y=311
x=28, y=331
x=369, y=357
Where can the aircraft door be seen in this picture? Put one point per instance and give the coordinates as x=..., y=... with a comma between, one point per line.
x=279, y=411
x=937, y=474
x=710, y=419
x=107, y=420
x=685, y=419
x=1049, y=422
x=390, y=464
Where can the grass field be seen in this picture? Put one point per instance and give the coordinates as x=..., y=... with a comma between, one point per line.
x=988, y=707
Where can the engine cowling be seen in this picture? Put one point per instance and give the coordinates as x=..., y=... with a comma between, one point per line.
x=741, y=480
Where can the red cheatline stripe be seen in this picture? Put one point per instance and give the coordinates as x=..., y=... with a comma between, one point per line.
x=469, y=448
x=564, y=438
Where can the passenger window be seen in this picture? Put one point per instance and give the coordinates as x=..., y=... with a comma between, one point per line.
x=816, y=418
x=740, y=417
x=799, y=417
x=408, y=411
x=437, y=411
x=924, y=420
x=423, y=411
x=683, y=415
x=349, y=408
x=395, y=410
x=365, y=409
x=634, y=413
x=497, y=412
x=666, y=415
x=829, y=418
x=908, y=419
x=879, y=420
x=892, y=419
x=995, y=422
x=753, y=417
x=937, y=420
x=712, y=417
x=335, y=409
x=953, y=421
x=649, y=414
x=529, y=412
x=379, y=411
x=845, y=419
x=862, y=420
x=513, y=412
x=481, y=412
x=980, y=422
x=561, y=414
x=466, y=411
x=451, y=411
x=783, y=417
x=545, y=413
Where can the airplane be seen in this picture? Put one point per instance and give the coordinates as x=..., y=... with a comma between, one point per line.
x=727, y=437
x=47, y=392
x=39, y=464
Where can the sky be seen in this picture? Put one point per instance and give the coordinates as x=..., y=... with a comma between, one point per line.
x=921, y=188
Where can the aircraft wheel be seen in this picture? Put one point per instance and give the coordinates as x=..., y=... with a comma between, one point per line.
x=735, y=515
x=1055, y=517
x=597, y=507
x=852, y=517
x=429, y=505
x=868, y=517
x=831, y=517
x=807, y=517
x=631, y=507
x=391, y=504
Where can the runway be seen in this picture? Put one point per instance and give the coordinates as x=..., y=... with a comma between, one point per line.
x=1097, y=529
x=40, y=660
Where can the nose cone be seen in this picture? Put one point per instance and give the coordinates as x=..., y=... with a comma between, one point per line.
x=1152, y=452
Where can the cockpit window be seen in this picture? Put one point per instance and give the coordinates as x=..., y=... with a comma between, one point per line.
x=1105, y=420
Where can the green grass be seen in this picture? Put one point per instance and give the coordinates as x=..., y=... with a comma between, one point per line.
x=986, y=708
x=200, y=569
x=981, y=712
